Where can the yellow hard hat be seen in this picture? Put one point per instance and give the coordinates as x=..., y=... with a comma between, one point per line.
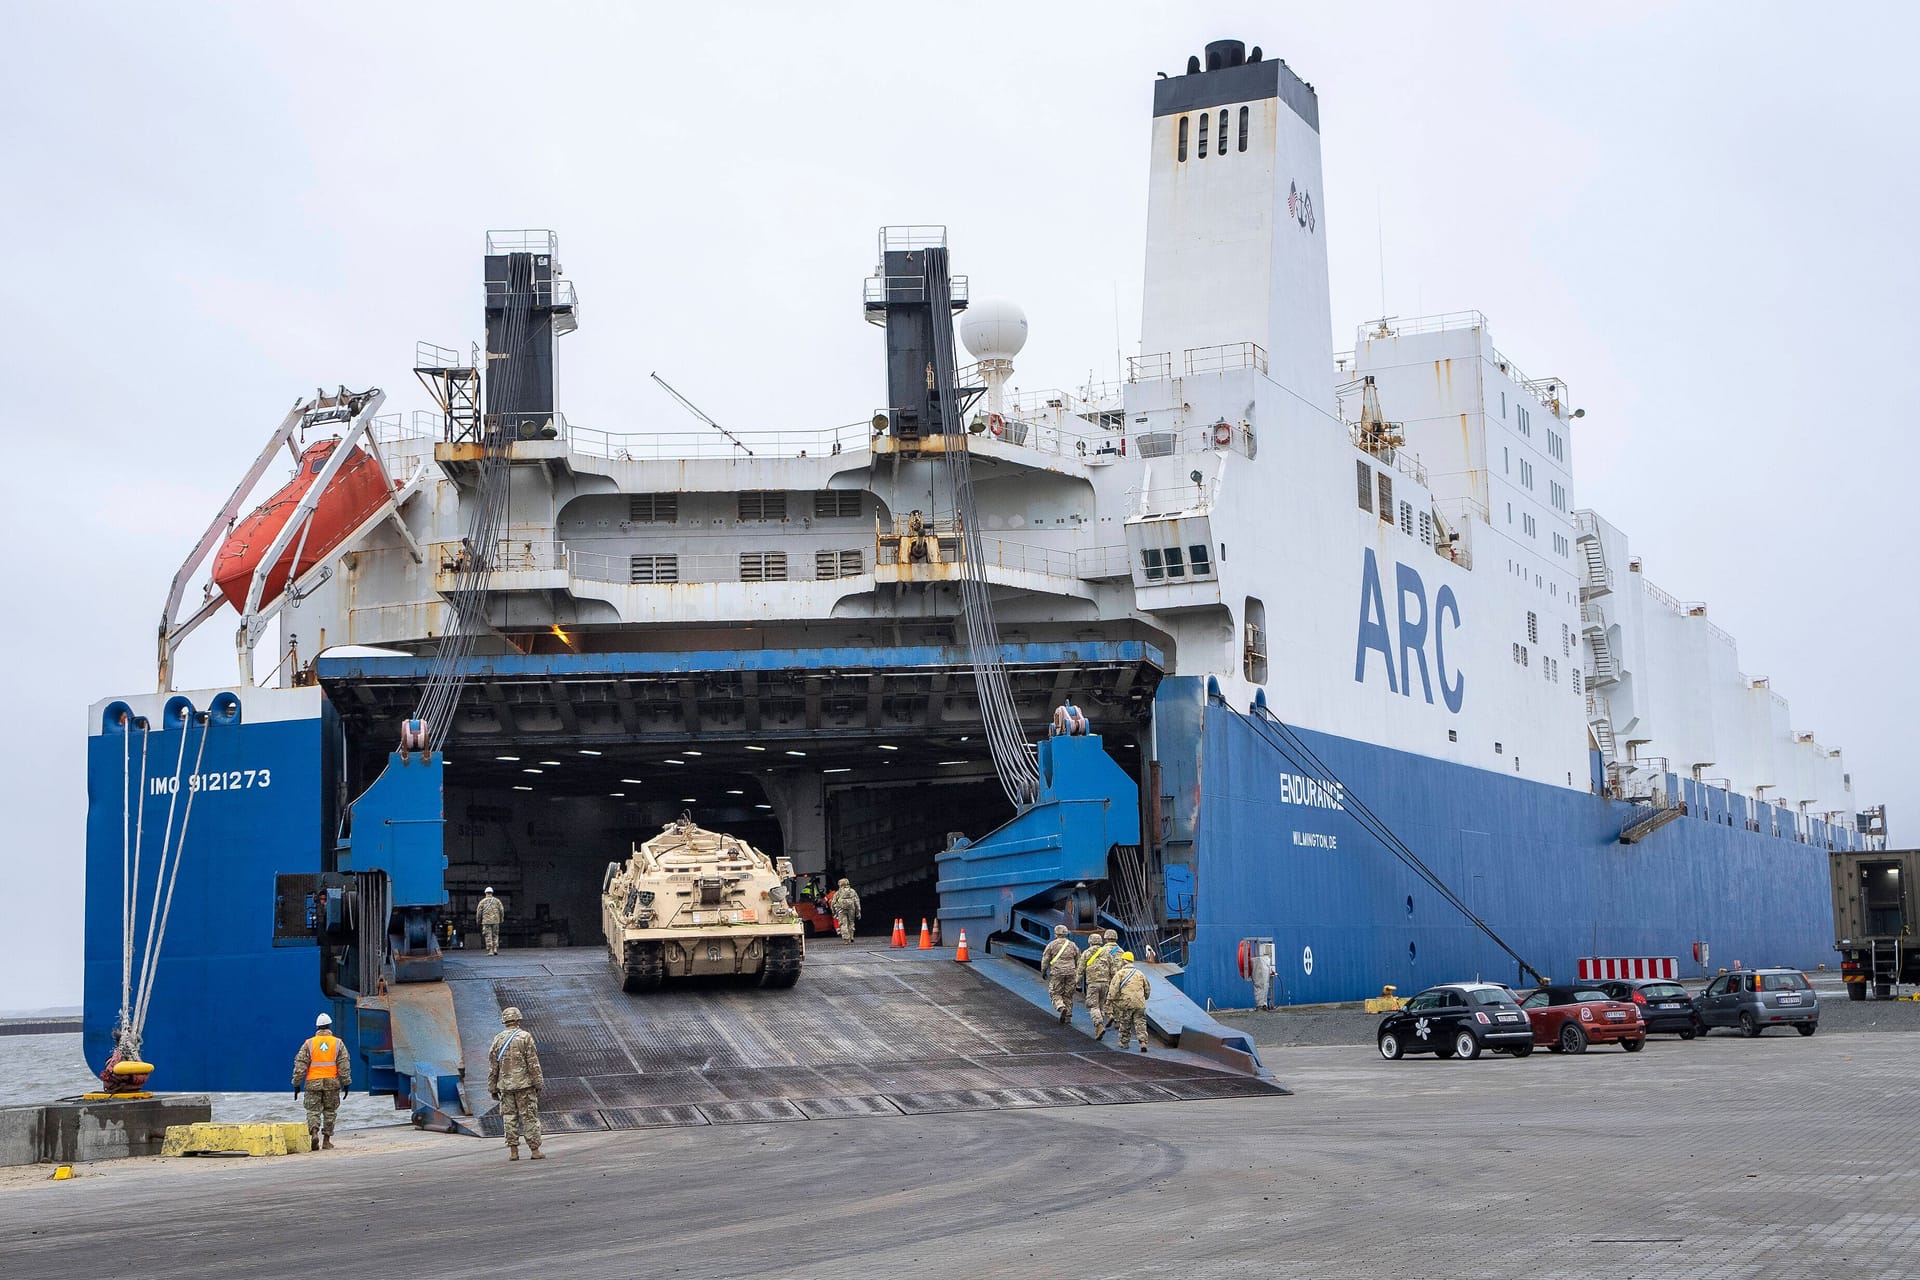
x=1126, y=955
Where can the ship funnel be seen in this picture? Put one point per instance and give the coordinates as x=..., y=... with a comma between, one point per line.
x=1226, y=53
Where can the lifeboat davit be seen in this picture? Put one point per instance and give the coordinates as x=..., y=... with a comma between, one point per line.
x=356, y=493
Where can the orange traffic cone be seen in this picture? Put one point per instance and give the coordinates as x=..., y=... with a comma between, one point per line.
x=961, y=955
x=936, y=931
x=926, y=935
x=899, y=932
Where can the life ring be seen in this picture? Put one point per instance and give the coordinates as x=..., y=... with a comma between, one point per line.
x=1222, y=432
x=1246, y=960
x=996, y=424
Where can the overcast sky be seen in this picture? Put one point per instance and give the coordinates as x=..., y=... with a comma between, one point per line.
x=1700, y=216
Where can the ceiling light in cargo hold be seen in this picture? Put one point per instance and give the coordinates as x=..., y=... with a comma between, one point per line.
x=888, y=746
x=533, y=771
x=634, y=781
x=509, y=759
x=842, y=769
x=523, y=788
x=689, y=799
x=585, y=752
x=618, y=795
x=736, y=793
x=763, y=806
x=671, y=760
x=796, y=753
x=953, y=762
x=554, y=763
x=693, y=753
x=754, y=748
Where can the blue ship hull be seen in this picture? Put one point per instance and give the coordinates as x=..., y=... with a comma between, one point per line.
x=1542, y=865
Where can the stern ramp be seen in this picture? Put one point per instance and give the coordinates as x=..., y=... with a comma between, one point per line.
x=869, y=1031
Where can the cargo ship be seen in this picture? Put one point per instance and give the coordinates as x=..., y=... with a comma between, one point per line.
x=1263, y=647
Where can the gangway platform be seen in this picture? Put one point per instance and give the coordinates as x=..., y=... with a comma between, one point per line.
x=869, y=1031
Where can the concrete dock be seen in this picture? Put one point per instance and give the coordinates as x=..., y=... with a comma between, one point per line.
x=1725, y=1157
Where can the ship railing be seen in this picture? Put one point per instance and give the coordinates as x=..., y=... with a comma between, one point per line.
x=523, y=240
x=1241, y=439
x=1112, y=561
x=879, y=291
x=1459, y=510
x=1587, y=522
x=1150, y=368
x=903, y=238
x=996, y=553
x=1406, y=464
x=1226, y=356
x=1393, y=326
x=556, y=293
x=657, y=446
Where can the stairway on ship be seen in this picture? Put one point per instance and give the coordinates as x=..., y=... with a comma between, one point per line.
x=869, y=1031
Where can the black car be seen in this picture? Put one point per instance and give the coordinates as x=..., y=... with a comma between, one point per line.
x=1663, y=1003
x=1457, y=1020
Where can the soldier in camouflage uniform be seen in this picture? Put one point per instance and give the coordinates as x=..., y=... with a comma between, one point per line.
x=491, y=912
x=846, y=908
x=324, y=1069
x=513, y=1076
x=1103, y=955
x=1127, y=1002
x=1061, y=963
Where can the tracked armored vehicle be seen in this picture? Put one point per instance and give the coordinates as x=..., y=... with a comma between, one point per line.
x=692, y=901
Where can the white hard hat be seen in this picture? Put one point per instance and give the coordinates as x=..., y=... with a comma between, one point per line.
x=324, y=1020
x=489, y=888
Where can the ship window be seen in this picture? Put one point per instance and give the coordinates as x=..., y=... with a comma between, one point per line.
x=836, y=564
x=1243, y=128
x=1181, y=154
x=1363, y=476
x=836, y=504
x=763, y=566
x=1533, y=627
x=1566, y=640
x=1406, y=518
x=1150, y=561
x=763, y=504
x=1576, y=679
x=1520, y=653
x=1255, y=654
x=1426, y=529
x=653, y=508
x=650, y=569
x=1203, y=135
x=1220, y=139
x=1175, y=567
x=318, y=465
x=1386, y=497
x=1453, y=735
x=1200, y=559
x=1498, y=750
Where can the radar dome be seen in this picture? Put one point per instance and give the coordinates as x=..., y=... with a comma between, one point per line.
x=994, y=329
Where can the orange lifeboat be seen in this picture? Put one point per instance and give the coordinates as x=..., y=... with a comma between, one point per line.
x=358, y=490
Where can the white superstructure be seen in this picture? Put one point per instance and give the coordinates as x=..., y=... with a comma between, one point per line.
x=1386, y=543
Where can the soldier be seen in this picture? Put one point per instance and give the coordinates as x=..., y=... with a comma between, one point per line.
x=1127, y=1002
x=492, y=911
x=846, y=908
x=514, y=1078
x=325, y=1070
x=1061, y=963
x=1102, y=953
x=1263, y=977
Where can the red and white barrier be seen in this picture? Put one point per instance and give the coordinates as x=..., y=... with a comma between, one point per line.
x=1592, y=968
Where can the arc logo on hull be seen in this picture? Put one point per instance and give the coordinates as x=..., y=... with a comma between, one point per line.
x=1419, y=631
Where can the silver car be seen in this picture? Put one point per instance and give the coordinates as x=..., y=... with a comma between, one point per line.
x=1755, y=999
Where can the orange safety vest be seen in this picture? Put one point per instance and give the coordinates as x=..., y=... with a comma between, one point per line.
x=323, y=1058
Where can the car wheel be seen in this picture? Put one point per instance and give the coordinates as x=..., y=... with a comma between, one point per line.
x=1856, y=991
x=1634, y=1046
x=1390, y=1047
x=1700, y=1028
x=1521, y=1050
x=1687, y=1034
x=1749, y=1025
x=1572, y=1039
x=1807, y=1028
x=1465, y=1044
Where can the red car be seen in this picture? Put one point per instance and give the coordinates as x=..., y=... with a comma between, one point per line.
x=1566, y=1019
